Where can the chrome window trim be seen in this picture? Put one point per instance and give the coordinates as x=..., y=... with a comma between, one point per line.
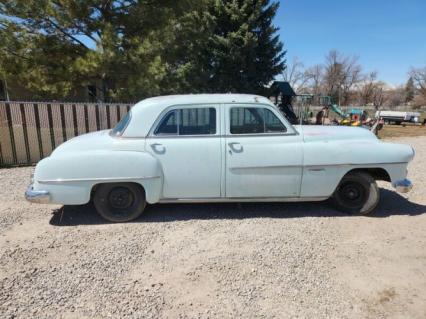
x=220, y=107
x=262, y=134
x=255, y=107
x=221, y=135
x=291, y=131
x=161, y=122
x=151, y=133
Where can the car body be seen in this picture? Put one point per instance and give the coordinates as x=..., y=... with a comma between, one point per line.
x=215, y=148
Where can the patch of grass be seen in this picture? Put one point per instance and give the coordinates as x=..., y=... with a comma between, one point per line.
x=389, y=131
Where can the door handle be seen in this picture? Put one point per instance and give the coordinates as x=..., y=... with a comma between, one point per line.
x=235, y=147
x=158, y=148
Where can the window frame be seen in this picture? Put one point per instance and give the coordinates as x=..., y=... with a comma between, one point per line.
x=290, y=130
x=120, y=133
x=172, y=108
x=163, y=118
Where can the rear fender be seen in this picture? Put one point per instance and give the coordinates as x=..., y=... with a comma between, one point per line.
x=70, y=178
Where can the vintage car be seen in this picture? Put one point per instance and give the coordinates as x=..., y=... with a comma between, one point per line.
x=217, y=148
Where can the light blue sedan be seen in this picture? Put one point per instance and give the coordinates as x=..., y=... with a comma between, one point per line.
x=217, y=148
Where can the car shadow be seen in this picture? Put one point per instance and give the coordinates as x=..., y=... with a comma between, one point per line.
x=391, y=204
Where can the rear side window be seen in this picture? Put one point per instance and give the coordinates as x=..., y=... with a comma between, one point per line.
x=188, y=121
x=255, y=120
x=121, y=126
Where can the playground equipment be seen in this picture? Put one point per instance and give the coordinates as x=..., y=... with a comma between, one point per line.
x=353, y=117
x=301, y=113
x=283, y=94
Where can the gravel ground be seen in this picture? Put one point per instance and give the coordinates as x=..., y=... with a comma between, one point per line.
x=215, y=261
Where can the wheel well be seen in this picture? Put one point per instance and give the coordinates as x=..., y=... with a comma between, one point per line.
x=94, y=187
x=378, y=173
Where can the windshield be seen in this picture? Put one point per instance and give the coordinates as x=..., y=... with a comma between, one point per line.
x=121, y=126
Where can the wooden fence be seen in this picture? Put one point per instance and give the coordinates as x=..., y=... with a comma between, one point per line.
x=30, y=131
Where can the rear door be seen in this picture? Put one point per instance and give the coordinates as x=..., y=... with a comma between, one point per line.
x=263, y=153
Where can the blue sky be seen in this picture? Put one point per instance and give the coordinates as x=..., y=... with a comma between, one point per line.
x=389, y=36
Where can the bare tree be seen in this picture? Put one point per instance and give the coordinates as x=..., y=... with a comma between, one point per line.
x=419, y=78
x=367, y=89
x=314, y=77
x=333, y=75
x=295, y=75
x=341, y=75
x=395, y=97
x=378, y=97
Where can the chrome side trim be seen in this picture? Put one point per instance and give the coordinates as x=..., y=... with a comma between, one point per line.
x=319, y=169
x=352, y=164
x=39, y=196
x=315, y=168
x=241, y=199
x=403, y=185
x=94, y=179
x=309, y=167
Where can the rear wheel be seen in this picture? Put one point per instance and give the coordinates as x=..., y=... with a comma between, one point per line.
x=357, y=193
x=119, y=202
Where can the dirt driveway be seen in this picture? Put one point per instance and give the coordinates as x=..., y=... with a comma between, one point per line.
x=215, y=261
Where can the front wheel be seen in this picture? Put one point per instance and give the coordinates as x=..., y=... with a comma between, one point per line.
x=357, y=193
x=119, y=202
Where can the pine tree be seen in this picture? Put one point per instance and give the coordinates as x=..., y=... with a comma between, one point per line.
x=245, y=52
x=139, y=48
x=53, y=46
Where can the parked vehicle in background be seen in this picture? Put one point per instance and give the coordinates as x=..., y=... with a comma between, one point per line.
x=217, y=148
x=398, y=117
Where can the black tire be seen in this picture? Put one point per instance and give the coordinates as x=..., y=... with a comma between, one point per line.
x=119, y=202
x=357, y=193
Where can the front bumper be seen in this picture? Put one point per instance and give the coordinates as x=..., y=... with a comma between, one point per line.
x=403, y=185
x=37, y=196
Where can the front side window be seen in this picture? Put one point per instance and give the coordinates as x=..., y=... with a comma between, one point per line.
x=255, y=120
x=188, y=121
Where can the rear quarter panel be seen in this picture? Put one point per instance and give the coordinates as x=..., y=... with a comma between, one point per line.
x=70, y=177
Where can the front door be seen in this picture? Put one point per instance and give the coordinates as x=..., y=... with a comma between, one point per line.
x=264, y=153
x=187, y=143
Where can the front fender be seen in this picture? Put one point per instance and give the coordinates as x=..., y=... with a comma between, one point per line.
x=325, y=163
x=69, y=178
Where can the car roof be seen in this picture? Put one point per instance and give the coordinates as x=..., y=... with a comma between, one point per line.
x=168, y=100
x=147, y=111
